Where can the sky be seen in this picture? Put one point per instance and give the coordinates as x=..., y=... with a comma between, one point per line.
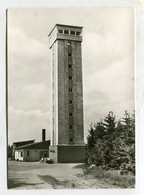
x=107, y=61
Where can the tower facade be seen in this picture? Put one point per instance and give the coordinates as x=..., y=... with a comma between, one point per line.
x=67, y=137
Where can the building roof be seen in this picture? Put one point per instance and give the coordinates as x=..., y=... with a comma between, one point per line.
x=38, y=145
x=64, y=26
x=22, y=143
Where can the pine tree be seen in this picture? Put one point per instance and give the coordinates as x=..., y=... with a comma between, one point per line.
x=124, y=144
x=109, y=123
x=111, y=144
x=110, y=126
x=91, y=139
x=130, y=141
x=99, y=130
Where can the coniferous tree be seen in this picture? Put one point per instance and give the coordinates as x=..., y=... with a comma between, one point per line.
x=109, y=123
x=99, y=130
x=111, y=144
x=91, y=141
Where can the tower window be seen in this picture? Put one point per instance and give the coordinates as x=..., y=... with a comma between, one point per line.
x=72, y=32
x=70, y=114
x=70, y=127
x=70, y=54
x=60, y=31
x=71, y=139
x=66, y=32
x=70, y=101
x=21, y=154
x=70, y=77
x=70, y=89
x=78, y=33
x=70, y=66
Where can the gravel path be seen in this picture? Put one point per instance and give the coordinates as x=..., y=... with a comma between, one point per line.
x=33, y=175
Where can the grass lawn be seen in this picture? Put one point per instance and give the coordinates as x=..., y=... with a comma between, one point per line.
x=110, y=176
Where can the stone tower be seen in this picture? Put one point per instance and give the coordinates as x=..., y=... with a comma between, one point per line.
x=67, y=137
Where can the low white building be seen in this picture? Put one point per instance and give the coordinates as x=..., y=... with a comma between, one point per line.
x=32, y=152
x=18, y=144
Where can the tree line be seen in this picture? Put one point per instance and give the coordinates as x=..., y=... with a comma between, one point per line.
x=111, y=143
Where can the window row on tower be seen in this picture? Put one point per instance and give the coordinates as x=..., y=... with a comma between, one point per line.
x=69, y=32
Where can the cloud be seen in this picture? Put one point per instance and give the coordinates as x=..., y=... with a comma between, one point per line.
x=26, y=125
x=109, y=89
x=24, y=44
x=30, y=96
x=117, y=78
x=28, y=59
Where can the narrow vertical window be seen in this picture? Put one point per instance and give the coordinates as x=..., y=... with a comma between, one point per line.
x=70, y=101
x=71, y=140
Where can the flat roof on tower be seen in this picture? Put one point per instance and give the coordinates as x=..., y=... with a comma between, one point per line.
x=64, y=26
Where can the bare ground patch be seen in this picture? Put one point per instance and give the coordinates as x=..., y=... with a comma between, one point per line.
x=57, y=183
x=15, y=183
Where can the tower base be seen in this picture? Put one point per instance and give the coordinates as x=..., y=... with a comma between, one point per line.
x=68, y=154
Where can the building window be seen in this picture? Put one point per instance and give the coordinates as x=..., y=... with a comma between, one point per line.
x=70, y=54
x=60, y=31
x=70, y=77
x=70, y=89
x=21, y=154
x=70, y=101
x=71, y=139
x=27, y=153
x=66, y=32
x=78, y=33
x=72, y=32
x=69, y=43
x=70, y=66
x=70, y=127
x=70, y=114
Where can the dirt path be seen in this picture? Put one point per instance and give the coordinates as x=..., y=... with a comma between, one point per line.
x=32, y=175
